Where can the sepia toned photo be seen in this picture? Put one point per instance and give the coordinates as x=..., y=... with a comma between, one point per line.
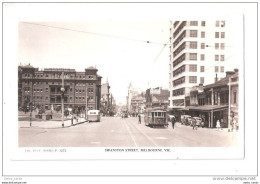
x=129, y=91
x=102, y=84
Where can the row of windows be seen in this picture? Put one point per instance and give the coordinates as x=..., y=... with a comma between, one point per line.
x=179, y=29
x=222, y=46
x=219, y=34
x=179, y=81
x=190, y=56
x=220, y=23
x=178, y=92
x=221, y=57
x=178, y=71
x=221, y=68
x=59, y=83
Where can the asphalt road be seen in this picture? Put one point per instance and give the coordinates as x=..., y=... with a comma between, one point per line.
x=118, y=132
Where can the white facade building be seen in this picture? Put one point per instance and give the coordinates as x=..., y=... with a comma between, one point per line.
x=199, y=53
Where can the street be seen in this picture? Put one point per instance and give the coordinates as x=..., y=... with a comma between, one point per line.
x=118, y=132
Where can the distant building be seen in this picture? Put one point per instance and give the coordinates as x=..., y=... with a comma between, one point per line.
x=130, y=94
x=43, y=88
x=108, y=103
x=157, y=97
x=137, y=104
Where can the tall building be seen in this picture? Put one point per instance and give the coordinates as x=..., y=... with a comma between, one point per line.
x=197, y=56
x=43, y=88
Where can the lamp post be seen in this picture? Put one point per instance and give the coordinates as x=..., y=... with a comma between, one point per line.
x=62, y=100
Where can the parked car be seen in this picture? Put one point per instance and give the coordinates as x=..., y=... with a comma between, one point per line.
x=185, y=119
x=199, y=122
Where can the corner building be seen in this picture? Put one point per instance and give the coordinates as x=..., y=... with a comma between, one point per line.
x=197, y=55
x=43, y=87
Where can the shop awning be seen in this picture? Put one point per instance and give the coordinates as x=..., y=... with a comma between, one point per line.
x=206, y=108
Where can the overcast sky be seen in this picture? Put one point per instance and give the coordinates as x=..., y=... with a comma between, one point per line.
x=119, y=50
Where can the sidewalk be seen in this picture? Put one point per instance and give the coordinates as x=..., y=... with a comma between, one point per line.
x=52, y=124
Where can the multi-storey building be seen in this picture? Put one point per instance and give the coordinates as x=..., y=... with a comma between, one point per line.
x=197, y=55
x=157, y=97
x=43, y=87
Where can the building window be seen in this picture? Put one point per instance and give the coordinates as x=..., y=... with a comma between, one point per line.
x=76, y=91
x=222, y=46
x=202, y=57
x=193, y=33
x=217, y=23
x=202, y=45
x=193, y=56
x=216, y=46
x=222, y=34
x=47, y=90
x=202, y=80
x=222, y=69
x=235, y=97
x=216, y=57
x=202, y=68
x=222, y=58
x=216, y=69
x=216, y=34
x=46, y=98
x=193, y=79
x=203, y=23
x=193, y=45
x=202, y=34
x=193, y=23
x=222, y=24
x=193, y=68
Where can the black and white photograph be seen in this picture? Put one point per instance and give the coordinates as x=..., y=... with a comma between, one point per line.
x=116, y=89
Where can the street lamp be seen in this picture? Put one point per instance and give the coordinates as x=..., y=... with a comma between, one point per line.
x=62, y=104
x=62, y=99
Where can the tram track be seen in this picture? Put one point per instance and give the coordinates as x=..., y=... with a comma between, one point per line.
x=140, y=132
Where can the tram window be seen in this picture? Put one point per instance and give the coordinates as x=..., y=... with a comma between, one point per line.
x=159, y=114
x=155, y=114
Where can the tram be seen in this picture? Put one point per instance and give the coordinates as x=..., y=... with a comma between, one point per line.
x=155, y=117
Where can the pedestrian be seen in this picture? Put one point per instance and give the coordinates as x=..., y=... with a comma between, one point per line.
x=218, y=124
x=194, y=126
x=173, y=122
x=235, y=124
x=139, y=118
x=72, y=120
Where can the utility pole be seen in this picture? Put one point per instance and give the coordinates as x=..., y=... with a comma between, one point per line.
x=62, y=99
x=86, y=113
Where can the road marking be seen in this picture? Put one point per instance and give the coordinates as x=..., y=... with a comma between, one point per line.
x=131, y=135
x=161, y=138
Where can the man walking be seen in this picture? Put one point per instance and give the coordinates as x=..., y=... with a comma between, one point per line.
x=139, y=118
x=173, y=122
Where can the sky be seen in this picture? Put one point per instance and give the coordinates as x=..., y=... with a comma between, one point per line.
x=123, y=52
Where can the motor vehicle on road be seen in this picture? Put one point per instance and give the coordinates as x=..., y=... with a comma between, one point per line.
x=93, y=115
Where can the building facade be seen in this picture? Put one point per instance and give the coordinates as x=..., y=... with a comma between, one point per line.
x=216, y=101
x=157, y=97
x=43, y=88
x=197, y=55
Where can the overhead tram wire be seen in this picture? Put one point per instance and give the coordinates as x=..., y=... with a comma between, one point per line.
x=157, y=57
x=93, y=33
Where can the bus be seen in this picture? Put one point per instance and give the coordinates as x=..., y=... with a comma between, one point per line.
x=93, y=115
x=155, y=117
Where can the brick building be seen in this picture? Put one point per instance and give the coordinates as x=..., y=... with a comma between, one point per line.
x=43, y=88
